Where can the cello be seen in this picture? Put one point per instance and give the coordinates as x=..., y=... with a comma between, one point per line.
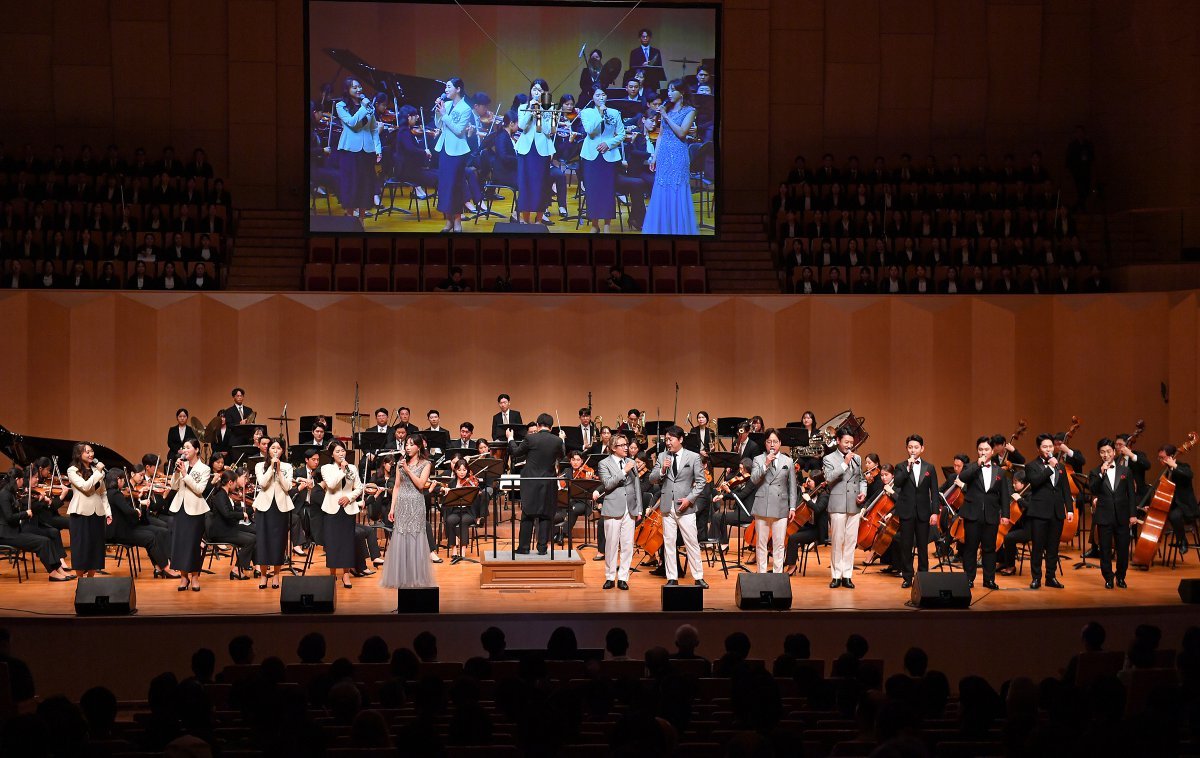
x=1157, y=509
x=1071, y=527
x=875, y=522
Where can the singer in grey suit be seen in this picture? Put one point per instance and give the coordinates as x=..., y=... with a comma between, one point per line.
x=847, y=493
x=774, y=502
x=621, y=491
x=681, y=477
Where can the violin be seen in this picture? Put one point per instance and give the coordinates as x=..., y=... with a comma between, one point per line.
x=730, y=483
x=869, y=475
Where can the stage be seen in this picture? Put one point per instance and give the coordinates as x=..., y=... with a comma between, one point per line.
x=1023, y=631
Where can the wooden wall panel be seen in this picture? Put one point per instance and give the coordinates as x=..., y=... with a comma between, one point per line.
x=114, y=367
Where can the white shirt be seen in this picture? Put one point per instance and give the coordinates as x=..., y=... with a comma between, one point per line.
x=916, y=472
x=1112, y=477
x=986, y=475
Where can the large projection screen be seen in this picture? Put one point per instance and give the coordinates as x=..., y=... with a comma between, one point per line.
x=394, y=149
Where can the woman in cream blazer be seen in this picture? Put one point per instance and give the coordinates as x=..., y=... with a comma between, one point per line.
x=88, y=512
x=188, y=481
x=535, y=145
x=273, y=506
x=343, y=486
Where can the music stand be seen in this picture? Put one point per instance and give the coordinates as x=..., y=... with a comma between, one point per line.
x=490, y=467
x=628, y=108
x=304, y=437
x=790, y=436
x=579, y=489
x=727, y=426
x=691, y=441
x=759, y=438
x=654, y=75
x=461, y=497
x=439, y=440
x=617, y=94
x=574, y=440
x=519, y=432
x=243, y=433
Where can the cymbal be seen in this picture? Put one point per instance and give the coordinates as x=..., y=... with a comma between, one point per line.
x=682, y=60
x=349, y=416
x=210, y=431
x=280, y=418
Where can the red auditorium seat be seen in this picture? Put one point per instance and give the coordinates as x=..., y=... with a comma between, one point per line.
x=318, y=277
x=347, y=277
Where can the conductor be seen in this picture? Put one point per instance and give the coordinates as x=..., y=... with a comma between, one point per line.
x=538, y=486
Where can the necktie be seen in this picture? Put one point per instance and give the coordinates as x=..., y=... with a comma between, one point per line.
x=674, y=468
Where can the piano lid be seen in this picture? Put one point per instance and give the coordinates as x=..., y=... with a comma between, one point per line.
x=23, y=448
x=417, y=91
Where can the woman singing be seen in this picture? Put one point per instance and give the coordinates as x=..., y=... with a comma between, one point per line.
x=273, y=505
x=342, y=486
x=359, y=149
x=407, y=563
x=671, y=210
x=88, y=512
x=189, y=479
x=605, y=132
x=452, y=114
x=534, y=148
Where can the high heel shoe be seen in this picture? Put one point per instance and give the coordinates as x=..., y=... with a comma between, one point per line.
x=346, y=584
x=183, y=587
x=263, y=584
x=195, y=588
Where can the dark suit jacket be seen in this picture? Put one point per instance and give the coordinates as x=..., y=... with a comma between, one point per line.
x=753, y=449
x=916, y=499
x=638, y=58
x=1185, y=493
x=232, y=418
x=542, y=450
x=1113, y=506
x=124, y=518
x=1042, y=499
x=978, y=505
x=514, y=417
x=173, y=441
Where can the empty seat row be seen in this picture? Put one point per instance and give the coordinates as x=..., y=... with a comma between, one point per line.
x=412, y=277
x=492, y=251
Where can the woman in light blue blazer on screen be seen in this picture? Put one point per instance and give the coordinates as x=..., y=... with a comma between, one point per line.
x=358, y=149
x=452, y=114
x=604, y=134
x=535, y=145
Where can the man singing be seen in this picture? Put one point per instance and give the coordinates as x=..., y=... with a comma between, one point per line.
x=681, y=476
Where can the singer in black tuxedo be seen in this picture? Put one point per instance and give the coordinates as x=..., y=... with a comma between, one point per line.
x=986, y=495
x=539, y=492
x=916, y=486
x=1114, y=496
x=1048, y=499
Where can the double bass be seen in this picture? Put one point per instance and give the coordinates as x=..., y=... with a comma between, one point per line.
x=1071, y=527
x=1004, y=462
x=1157, y=509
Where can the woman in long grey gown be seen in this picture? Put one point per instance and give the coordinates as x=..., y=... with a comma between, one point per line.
x=407, y=562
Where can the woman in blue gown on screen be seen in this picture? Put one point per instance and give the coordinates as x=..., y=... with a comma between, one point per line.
x=671, y=210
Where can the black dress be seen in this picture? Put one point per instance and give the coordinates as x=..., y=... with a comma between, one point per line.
x=224, y=526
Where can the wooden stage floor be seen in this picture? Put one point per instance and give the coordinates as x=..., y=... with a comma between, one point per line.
x=461, y=594
x=1010, y=632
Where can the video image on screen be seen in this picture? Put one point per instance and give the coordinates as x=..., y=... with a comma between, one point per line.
x=512, y=119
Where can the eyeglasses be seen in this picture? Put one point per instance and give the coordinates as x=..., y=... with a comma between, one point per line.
x=621, y=444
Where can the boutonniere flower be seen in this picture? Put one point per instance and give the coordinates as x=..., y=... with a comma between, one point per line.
x=1122, y=477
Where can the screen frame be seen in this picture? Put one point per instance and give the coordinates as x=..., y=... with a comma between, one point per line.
x=718, y=121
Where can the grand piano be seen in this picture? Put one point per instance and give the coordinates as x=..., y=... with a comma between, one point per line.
x=22, y=449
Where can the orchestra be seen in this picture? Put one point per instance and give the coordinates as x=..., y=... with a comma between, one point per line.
x=657, y=494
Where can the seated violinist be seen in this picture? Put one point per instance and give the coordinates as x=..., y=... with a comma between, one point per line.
x=737, y=494
x=458, y=518
x=413, y=154
x=575, y=508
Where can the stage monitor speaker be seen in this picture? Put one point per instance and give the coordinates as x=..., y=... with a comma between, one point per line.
x=308, y=594
x=1189, y=590
x=682, y=598
x=105, y=596
x=417, y=600
x=935, y=589
x=508, y=227
x=335, y=225
x=763, y=591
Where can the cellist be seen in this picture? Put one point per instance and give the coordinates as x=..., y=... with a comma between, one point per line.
x=986, y=493
x=1183, y=505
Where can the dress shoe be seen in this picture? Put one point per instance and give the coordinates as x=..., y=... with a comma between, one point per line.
x=991, y=585
x=702, y=584
x=1183, y=549
x=519, y=551
x=672, y=583
x=1091, y=552
x=598, y=557
x=1036, y=584
x=906, y=584
x=543, y=551
x=609, y=584
x=1052, y=582
x=660, y=571
x=1121, y=583
x=1108, y=585
x=833, y=585
x=623, y=585
x=848, y=583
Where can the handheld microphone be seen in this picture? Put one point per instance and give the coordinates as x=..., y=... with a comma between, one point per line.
x=581, y=49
